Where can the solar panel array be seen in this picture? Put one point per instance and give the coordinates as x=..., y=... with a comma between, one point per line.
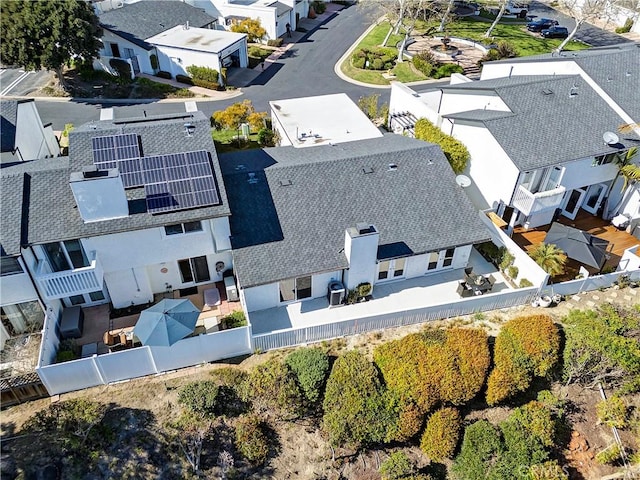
x=175, y=181
x=121, y=152
x=178, y=181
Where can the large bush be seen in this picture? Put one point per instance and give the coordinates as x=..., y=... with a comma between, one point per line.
x=251, y=440
x=447, y=69
x=236, y=114
x=200, y=397
x=481, y=445
x=377, y=58
x=310, y=366
x=252, y=27
x=525, y=347
x=273, y=390
x=425, y=62
x=397, y=466
x=355, y=412
x=453, y=149
x=441, y=434
x=233, y=388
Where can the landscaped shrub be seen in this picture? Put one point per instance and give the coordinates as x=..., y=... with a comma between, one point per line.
x=377, y=58
x=513, y=271
x=199, y=397
x=275, y=42
x=355, y=412
x=608, y=455
x=266, y=137
x=423, y=65
x=447, y=69
x=525, y=282
x=274, y=390
x=234, y=320
x=525, y=347
x=236, y=114
x=441, y=434
x=320, y=7
x=455, y=151
x=203, y=73
x=310, y=366
x=184, y=79
x=163, y=74
x=232, y=389
x=626, y=27
x=251, y=440
x=122, y=67
x=507, y=260
x=612, y=412
x=481, y=444
x=397, y=466
x=252, y=27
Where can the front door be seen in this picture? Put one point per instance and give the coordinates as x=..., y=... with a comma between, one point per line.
x=593, y=199
x=390, y=269
x=115, y=50
x=573, y=202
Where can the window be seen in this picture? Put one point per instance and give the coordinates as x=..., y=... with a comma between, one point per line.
x=76, y=299
x=96, y=296
x=180, y=228
x=10, y=266
x=66, y=255
x=295, y=288
x=22, y=318
x=448, y=257
x=433, y=260
x=383, y=270
x=194, y=270
x=398, y=268
x=603, y=159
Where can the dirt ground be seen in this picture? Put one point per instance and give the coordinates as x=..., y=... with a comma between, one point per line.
x=305, y=454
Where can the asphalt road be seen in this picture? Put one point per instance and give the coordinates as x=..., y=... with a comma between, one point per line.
x=17, y=82
x=307, y=69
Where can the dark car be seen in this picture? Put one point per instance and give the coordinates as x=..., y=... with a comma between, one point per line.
x=541, y=24
x=555, y=32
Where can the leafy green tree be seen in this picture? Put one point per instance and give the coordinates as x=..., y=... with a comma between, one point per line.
x=355, y=411
x=397, y=466
x=455, y=151
x=311, y=366
x=525, y=347
x=48, y=34
x=273, y=390
x=550, y=258
x=252, y=27
x=236, y=114
x=601, y=345
x=200, y=397
x=441, y=434
x=612, y=412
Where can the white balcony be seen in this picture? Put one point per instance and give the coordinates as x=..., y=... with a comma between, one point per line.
x=70, y=282
x=530, y=203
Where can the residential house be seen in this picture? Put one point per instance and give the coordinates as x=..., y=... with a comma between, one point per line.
x=168, y=36
x=368, y=211
x=541, y=131
x=274, y=16
x=22, y=133
x=311, y=121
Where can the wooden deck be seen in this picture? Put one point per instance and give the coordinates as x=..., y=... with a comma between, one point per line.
x=619, y=240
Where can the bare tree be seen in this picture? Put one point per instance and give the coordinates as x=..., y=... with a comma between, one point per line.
x=446, y=16
x=583, y=11
x=503, y=8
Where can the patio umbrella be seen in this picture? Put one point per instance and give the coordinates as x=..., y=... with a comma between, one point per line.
x=166, y=322
x=578, y=245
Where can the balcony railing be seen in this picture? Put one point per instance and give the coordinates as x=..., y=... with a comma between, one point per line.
x=529, y=203
x=70, y=282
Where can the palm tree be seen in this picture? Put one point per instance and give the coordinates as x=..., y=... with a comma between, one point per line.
x=550, y=258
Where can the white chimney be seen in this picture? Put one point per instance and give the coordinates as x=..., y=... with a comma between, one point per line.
x=361, y=250
x=99, y=194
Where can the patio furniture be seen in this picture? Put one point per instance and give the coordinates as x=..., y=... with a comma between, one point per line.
x=479, y=284
x=578, y=245
x=464, y=290
x=211, y=297
x=72, y=322
x=166, y=322
x=492, y=280
x=621, y=221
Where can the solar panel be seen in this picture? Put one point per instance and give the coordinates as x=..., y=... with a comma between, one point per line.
x=178, y=181
x=121, y=152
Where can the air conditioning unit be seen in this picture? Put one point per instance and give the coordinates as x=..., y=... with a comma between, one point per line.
x=231, y=289
x=335, y=293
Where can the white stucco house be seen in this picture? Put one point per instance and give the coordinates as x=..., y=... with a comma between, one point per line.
x=23, y=135
x=312, y=121
x=167, y=36
x=536, y=129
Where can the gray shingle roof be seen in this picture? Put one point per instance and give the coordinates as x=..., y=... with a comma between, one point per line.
x=493, y=83
x=281, y=231
x=49, y=212
x=545, y=112
x=478, y=115
x=141, y=20
x=8, y=117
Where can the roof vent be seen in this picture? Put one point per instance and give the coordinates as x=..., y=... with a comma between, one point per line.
x=189, y=128
x=574, y=91
x=393, y=167
x=547, y=91
x=367, y=170
x=285, y=183
x=364, y=228
x=252, y=178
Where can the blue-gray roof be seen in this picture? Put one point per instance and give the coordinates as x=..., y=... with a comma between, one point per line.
x=8, y=118
x=290, y=207
x=40, y=204
x=141, y=20
x=554, y=120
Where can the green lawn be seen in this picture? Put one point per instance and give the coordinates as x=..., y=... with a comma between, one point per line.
x=227, y=141
x=524, y=42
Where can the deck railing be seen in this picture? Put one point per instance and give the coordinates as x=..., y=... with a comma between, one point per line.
x=529, y=203
x=70, y=282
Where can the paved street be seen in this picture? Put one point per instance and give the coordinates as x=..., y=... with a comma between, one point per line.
x=17, y=82
x=306, y=69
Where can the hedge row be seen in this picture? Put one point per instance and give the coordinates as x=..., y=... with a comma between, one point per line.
x=453, y=149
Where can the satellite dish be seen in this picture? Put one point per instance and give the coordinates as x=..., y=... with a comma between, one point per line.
x=463, y=181
x=610, y=138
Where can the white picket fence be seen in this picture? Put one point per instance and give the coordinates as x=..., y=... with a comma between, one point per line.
x=316, y=333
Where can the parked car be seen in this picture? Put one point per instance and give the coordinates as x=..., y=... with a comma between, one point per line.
x=555, y=32
x=541, y=24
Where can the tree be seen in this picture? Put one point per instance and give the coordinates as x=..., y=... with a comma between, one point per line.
x=200, y=398
x=252, y=27
x=189, y=431
x=525, y=347
x=453, y=149
x=238, y=113
x=355, y=412
x=273, y=390
x=441, y=434
x=503, y=8
x=310, y=366
x=48, y=34
x=550, y=258
x=582, y=11
x=629, y=171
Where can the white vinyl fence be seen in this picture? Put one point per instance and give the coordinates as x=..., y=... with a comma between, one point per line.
x=138, y=362
x=590, y=283
x=316, y=333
